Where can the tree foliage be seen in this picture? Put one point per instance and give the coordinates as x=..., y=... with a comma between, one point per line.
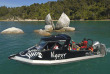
x=75, y=9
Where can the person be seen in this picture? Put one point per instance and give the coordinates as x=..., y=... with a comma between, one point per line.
x=73, y=45
x=69, y=47
x=56, y=46
x=84, y=43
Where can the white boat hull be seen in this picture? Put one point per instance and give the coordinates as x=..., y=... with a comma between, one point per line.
x=54, y=62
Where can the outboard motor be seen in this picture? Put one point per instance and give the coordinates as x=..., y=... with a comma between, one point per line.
x=103, y=49
x=96, y=45
x=99, y=48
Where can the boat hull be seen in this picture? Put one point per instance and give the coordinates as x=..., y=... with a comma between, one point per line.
x=54, y=62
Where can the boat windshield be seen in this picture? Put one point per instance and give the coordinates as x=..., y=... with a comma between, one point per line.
x=41, y=44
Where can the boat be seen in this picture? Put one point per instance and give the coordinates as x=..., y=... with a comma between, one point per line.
x=57, y=49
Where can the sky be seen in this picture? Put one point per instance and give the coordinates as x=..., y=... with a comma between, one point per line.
x=18, y=3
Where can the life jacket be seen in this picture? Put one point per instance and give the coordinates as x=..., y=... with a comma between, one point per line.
x=91, y=48
x=78, y=49
x=73, y=42
x=84, y=44
x=74, y=48
x=74, y=45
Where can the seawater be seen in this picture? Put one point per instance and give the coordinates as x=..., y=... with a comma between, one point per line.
x=14, y=43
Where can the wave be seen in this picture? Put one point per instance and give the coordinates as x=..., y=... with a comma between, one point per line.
x=108, y=49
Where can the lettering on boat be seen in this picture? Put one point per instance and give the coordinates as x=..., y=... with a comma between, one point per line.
x=58, y=56
x=32, y=53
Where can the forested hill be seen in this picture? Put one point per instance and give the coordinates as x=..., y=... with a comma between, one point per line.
x=75, y=9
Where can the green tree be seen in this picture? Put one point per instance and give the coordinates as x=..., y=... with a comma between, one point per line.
x=75, y=9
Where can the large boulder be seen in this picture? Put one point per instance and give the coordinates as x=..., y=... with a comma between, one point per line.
x=12, y=30
x=48, y=28
x=42, y=32
x=48, y=21
x=63, y=21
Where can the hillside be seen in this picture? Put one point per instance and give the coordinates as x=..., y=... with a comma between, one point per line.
x=75, y=9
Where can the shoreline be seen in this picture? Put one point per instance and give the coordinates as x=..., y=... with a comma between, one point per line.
x=23, y=20
x=44, y=20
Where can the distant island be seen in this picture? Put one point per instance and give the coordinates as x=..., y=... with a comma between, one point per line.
x=75, y=9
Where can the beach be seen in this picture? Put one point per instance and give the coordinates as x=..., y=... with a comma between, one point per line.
x=54, y=20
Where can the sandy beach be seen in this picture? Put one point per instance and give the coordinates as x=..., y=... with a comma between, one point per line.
x=54, y=20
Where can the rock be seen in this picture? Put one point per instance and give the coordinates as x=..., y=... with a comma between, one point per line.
x=81, y=19
x=63, y=21
x=42, y=32
x=65, y=29
x=69, y=28
x=48, y=28
x=12, y=30
x=48, y=21
x=60, y=30
x=37, y=31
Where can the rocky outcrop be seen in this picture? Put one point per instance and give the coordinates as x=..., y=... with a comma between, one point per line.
x=63, y=21
x=48, y=21
x=65, y=29
x=60, y=30
x=61, y=26
x=12, y=30
x=42, y=32
x=68, y=28
x=48, y=28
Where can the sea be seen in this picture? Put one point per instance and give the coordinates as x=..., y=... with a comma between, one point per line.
x=14, y=43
